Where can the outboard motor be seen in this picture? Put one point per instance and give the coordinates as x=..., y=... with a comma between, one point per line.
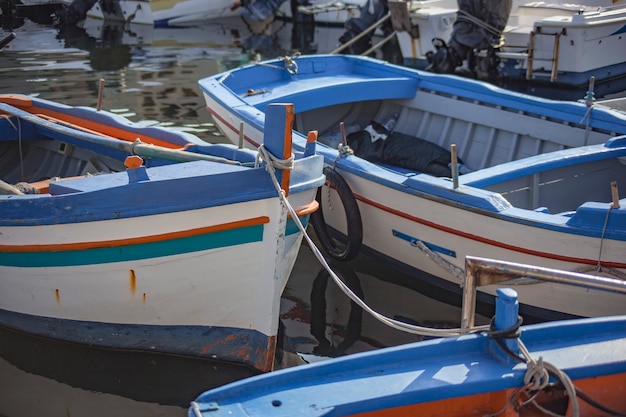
x=373, y=11
x=258, y=10
x=478, y=27
x=74, y=12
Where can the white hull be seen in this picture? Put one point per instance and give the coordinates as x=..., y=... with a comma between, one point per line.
x=179, y=290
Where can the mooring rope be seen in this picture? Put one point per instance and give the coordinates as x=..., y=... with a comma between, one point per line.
x=398, y=325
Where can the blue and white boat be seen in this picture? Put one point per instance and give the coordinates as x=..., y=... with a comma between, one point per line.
x=573, y=367
x=539, y=180
x=140, y=238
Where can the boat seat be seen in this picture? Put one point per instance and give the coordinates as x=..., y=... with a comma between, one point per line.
x=161, y=173
x=615, y=148
x=332, y=91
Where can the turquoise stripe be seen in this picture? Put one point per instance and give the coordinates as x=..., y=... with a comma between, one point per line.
x=141, y=251
x=134, y=252
x=292, y=227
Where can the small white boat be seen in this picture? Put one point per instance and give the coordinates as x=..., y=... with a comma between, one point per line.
x=538, y=183
x=324, y=11
x=167, y=13
x=546, y=41
x=162, y=13
x=151, y=239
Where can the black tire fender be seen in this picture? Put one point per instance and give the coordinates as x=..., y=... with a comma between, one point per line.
x=347, y=248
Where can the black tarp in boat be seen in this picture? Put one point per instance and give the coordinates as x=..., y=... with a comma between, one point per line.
x=402, y=151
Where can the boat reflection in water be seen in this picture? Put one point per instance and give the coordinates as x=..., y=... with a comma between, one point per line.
x=51, y=378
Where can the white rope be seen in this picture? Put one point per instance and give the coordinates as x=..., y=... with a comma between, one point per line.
x=538, y=376
x=439, y=260
x=273, y=163
x=398, y=325
x=291, y=66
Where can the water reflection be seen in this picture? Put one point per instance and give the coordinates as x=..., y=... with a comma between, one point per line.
x=320, y=319
x=150, y=73
x=67, y=379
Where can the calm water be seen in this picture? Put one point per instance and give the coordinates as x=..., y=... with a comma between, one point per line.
x=150, y=76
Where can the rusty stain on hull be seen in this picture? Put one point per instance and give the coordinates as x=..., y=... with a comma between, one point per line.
x=133, y=282
x=261, y=359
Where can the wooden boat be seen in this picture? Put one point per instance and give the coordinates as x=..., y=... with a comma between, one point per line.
x=550, y=41
x=538, y=187
x=185, y=251
x=573, y=367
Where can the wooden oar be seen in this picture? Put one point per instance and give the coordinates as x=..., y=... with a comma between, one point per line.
x=133, y=148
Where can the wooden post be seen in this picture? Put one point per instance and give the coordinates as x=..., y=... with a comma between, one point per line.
x=278, y=135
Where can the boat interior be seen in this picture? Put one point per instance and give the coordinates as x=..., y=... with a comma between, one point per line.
x=494, y=137
x=37, y=160
x=32, y=156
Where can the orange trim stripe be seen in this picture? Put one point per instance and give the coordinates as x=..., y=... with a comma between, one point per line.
x=82, y=124
x=137, y=240
x=308, y=209
x=604, y=389
x=287, y=137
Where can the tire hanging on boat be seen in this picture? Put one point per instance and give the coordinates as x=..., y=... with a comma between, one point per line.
x=349, y=247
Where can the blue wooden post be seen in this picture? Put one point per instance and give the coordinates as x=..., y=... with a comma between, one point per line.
x=278, y=134
x=507, y=314
x=311, y=140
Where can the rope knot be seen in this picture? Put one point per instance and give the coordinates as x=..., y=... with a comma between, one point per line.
x=273, y=163
x=536, y=376
x=290, y=64
x=344, y=150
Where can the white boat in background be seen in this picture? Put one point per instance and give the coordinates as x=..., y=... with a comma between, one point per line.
x=547, y=41
x=326, y=12
x=168, y=13
x=162, y=13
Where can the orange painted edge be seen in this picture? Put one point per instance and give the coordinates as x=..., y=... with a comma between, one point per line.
x=307, y=209
x=287, y=150
x=137, y=240
x=82, y=124
x=604, y=389
x=16, y=101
